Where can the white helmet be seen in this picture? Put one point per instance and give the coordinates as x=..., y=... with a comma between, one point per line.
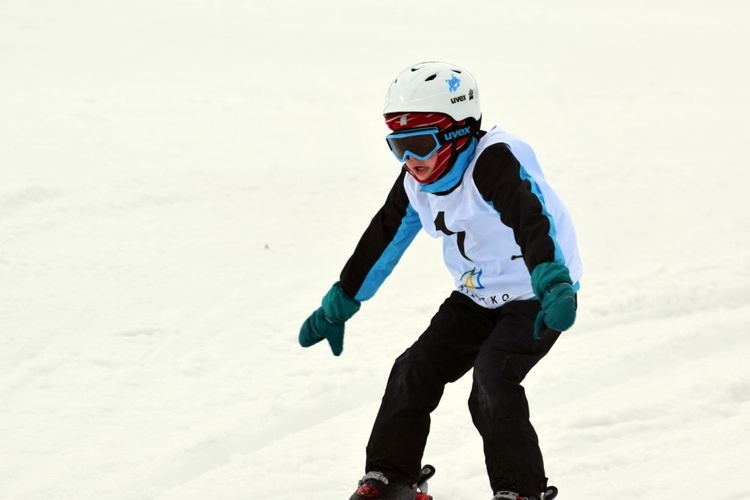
x=435, y=87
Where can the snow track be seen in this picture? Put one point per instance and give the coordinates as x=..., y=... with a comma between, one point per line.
x=180, y=185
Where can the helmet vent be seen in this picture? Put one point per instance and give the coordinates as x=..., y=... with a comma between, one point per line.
x=431, y=77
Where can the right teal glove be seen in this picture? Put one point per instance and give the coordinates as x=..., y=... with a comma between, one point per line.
x=327, y=322
x=552, y=285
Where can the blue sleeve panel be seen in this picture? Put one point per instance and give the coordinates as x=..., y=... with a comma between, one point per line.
x=382, y=244
x=410, y=226
x=536, y=191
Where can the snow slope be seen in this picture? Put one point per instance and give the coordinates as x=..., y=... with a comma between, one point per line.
x=181, y=182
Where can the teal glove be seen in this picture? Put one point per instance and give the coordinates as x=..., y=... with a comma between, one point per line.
x=552, y=285
x=327, y=322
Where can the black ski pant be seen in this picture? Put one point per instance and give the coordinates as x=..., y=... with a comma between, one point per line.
x=499, y=345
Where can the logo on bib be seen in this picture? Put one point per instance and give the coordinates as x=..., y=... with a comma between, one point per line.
x=471, y=281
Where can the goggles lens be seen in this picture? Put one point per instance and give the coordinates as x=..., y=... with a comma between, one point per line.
x=418, y=143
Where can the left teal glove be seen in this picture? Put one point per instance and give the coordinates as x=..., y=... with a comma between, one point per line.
x=552, y=285
x=327, y=322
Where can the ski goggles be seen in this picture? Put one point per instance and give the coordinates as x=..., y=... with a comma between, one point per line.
x=419, y=143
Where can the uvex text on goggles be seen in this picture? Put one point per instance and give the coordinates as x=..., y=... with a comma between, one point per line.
x=421, y=143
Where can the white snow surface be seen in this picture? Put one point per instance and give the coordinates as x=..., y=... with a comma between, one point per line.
x=181, y=182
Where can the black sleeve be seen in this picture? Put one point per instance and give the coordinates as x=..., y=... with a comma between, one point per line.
x=499, y=179
x=382, y=244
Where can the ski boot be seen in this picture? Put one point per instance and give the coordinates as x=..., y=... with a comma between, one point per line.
x=376, y=486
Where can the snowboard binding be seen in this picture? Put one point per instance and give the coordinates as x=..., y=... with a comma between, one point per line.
x=426, y=473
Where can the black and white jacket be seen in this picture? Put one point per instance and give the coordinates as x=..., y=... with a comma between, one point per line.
x=496, y=213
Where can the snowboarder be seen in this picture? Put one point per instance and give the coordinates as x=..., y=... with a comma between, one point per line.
x=511, y=247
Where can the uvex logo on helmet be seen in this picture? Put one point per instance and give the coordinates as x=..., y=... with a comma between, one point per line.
x=462, y=98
